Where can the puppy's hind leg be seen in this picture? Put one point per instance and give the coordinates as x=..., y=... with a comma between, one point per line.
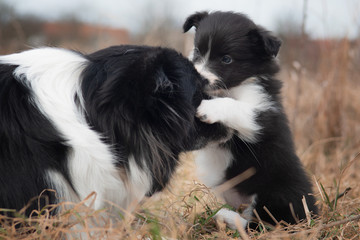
x=232, y=219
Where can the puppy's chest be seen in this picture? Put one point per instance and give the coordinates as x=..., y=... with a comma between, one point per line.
x=253, y=94
x=247, y=92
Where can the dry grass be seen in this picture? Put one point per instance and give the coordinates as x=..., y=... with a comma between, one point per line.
x=324, y=112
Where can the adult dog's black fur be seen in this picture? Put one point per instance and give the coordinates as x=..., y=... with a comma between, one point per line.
x=238, y=57
x=113, y=122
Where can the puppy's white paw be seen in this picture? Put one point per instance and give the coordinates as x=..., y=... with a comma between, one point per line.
x=232, y=219
x=210, y=111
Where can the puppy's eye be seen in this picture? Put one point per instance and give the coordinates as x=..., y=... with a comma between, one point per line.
x=226, y=59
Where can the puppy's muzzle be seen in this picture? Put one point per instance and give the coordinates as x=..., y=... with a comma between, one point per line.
x=216, y=88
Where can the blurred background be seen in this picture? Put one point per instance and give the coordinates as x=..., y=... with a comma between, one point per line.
x=89, y=25
x=320, y=57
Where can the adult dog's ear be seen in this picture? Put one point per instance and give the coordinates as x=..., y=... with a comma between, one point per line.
x=194, y=20
x=260, y=37
x=162, y=83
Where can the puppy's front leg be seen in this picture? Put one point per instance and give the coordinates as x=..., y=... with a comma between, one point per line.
x=240, y=116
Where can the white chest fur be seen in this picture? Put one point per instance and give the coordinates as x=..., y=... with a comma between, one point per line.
x=237, y=111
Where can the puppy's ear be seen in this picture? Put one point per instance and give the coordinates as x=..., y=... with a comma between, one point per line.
x=272, y=44
x=269, y=43
x=194, y=20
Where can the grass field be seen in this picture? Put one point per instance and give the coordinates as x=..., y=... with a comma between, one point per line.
x=323, y=107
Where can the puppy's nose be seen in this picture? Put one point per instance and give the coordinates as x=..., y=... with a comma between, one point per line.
x=204, y=81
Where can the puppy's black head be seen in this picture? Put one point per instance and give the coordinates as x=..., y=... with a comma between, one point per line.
x=230, y=48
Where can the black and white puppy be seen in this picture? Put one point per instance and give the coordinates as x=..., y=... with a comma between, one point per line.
x=238, y=58
x=112, y=122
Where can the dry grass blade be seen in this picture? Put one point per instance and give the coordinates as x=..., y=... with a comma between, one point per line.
x=307, y=212
x=272, y=216
x=259, y=220
x=235, y=180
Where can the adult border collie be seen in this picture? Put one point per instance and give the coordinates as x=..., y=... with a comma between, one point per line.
x=112, y=122
x=238, y=58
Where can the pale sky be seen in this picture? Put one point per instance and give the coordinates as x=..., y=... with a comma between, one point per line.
x=326, y=18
